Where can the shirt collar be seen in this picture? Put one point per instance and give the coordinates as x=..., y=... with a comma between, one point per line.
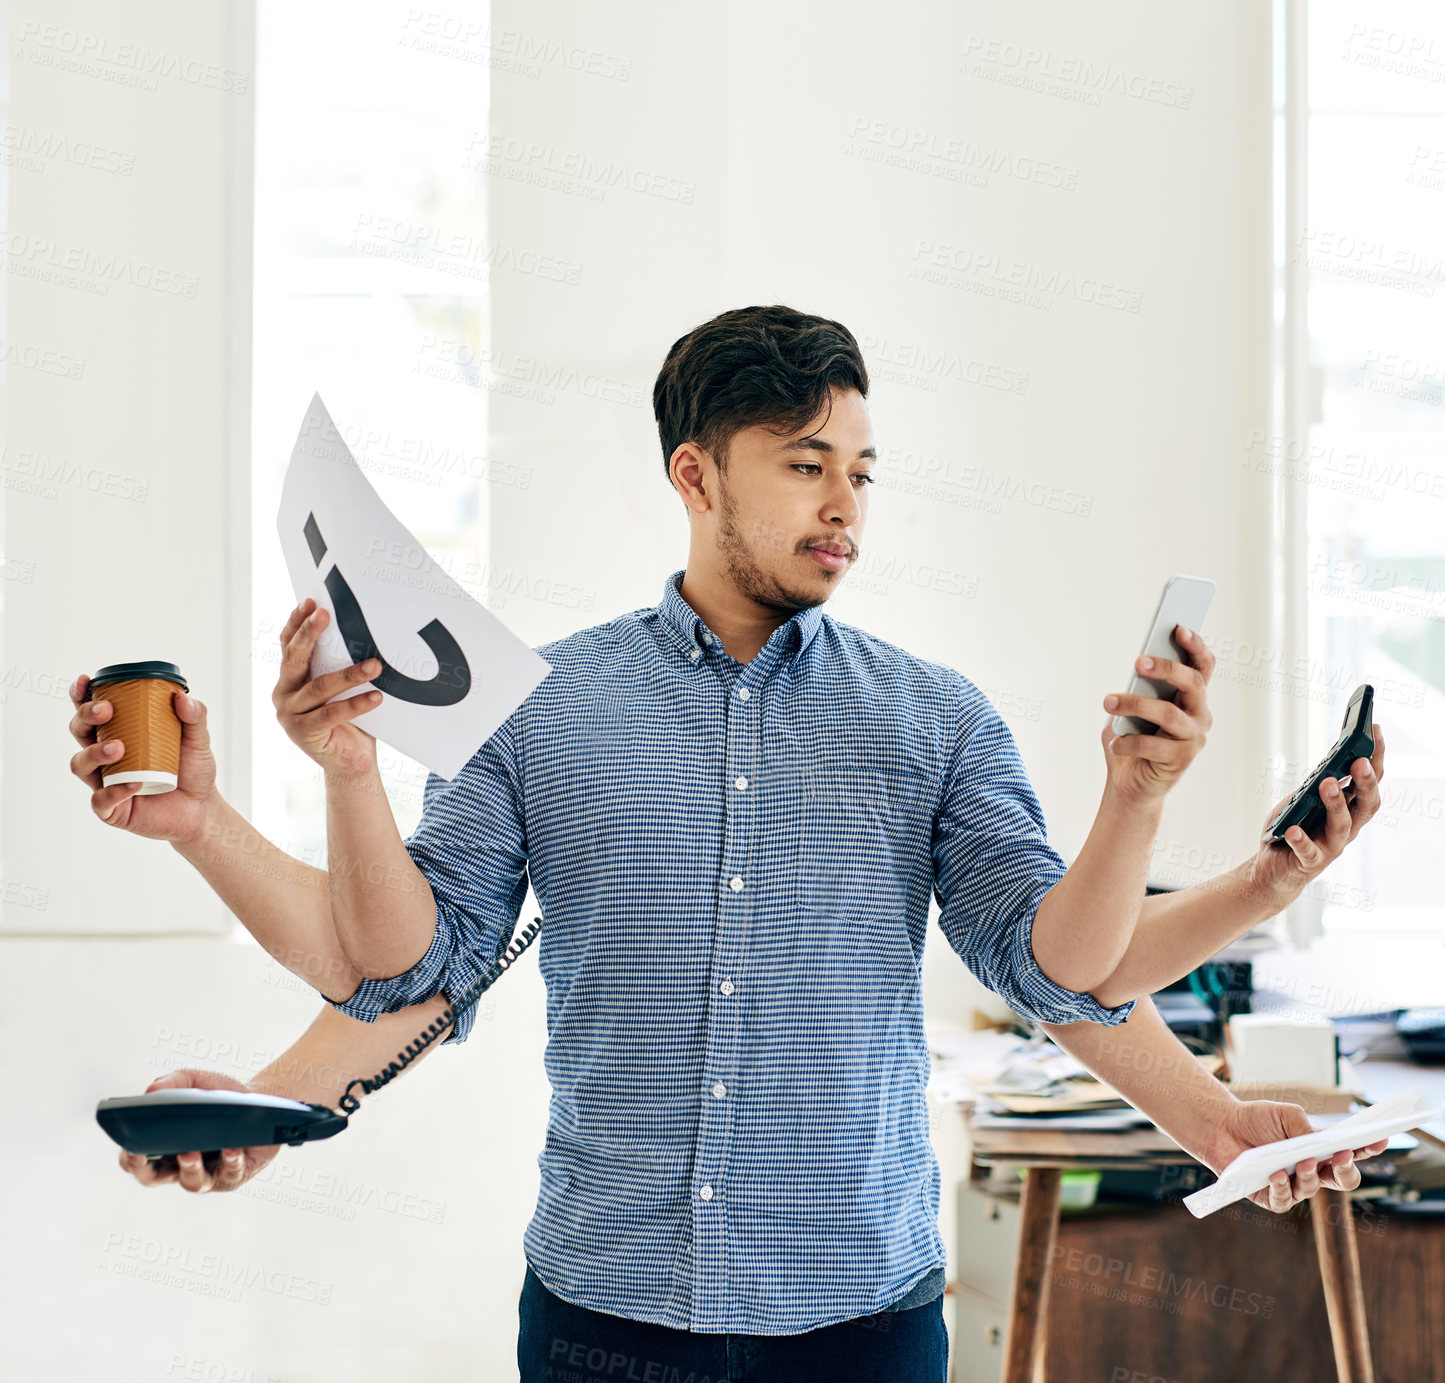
x=690, y=626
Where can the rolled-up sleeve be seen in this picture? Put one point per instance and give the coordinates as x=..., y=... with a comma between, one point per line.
x=471, y=846
x=993, y=865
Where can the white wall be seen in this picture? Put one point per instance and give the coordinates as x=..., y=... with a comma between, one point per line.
x=758, y=109
x=122, y=270
x=1139, y=418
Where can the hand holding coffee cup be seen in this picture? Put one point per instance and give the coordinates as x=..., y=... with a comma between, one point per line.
x=320, y=727
x=145, y=749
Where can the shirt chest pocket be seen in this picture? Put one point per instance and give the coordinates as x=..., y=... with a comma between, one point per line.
x=861, y=831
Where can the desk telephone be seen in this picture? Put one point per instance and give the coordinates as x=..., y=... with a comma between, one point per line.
x=166, y=1122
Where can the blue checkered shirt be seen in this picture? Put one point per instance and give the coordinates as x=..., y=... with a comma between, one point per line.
x=734, y=864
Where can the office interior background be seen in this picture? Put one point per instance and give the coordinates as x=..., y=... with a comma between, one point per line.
x=1142, y=290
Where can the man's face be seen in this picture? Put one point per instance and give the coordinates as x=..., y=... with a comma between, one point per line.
x=782, y=495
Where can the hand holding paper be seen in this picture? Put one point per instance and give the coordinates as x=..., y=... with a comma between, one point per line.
x=450, y=671
x=1251, y=1170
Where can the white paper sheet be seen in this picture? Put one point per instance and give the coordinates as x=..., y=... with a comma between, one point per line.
x=452, y=672
x=1252, y=1169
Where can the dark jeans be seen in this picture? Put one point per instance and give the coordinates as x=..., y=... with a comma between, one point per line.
x=562, y=1343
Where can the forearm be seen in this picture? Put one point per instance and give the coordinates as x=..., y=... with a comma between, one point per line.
x=1180, y=930
x=382, y=904
x=283, y=903
x=1083, y=927
x=1153, y=1070
x=336, y=1049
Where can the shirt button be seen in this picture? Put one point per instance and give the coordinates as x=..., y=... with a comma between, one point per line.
x=696, y=653
x=735, y=884
x=706, y=1193
x=743, y=693
x=742, y=782
x=719, y=1089
x=726, y=986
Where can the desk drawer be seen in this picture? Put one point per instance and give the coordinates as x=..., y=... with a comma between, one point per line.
x=976, y=1349
x=987, y=1245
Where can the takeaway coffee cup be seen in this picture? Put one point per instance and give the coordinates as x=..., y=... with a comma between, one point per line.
x=144, y=719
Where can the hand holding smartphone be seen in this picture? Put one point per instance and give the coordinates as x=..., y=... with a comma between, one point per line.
x=1185, y=600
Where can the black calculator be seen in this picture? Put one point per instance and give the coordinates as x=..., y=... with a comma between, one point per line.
x=1356, y=741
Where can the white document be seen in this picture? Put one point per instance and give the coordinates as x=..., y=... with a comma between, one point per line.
x=1252, y=1169
x=451, y=671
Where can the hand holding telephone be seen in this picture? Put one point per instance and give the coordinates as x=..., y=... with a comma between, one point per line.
x=1185, y=601
x=1306, y=809
x=165, y=1123
x=162, y=1123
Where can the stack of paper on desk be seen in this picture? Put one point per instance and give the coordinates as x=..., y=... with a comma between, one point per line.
x=1096, y=1121
x=1252, y=1169
x=1015, y=1082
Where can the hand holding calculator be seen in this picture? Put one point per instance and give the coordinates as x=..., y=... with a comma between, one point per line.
x=1357, y=741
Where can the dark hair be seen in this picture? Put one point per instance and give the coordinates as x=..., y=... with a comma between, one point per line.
x=750, y=366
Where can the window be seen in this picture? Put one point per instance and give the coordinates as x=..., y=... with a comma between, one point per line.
x=1368, y=253
x=370, y=287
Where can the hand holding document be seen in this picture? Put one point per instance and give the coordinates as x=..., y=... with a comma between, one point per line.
x=451, y=671
x=1252, y=1169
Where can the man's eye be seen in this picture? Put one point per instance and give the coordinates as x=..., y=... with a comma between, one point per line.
x=814, y=466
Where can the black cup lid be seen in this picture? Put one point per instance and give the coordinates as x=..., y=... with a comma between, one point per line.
x=128, y=672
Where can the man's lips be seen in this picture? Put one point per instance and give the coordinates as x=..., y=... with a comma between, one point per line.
x=833, y=561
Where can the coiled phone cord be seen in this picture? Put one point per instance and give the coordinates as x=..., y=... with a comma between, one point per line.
x=350, y=1103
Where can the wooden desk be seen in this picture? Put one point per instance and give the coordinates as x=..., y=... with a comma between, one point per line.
x=1044, y=1154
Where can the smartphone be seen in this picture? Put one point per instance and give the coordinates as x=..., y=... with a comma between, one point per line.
x=1185, y=601
x=1306, y=809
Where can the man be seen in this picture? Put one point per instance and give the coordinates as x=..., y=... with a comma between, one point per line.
x=734, y=810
